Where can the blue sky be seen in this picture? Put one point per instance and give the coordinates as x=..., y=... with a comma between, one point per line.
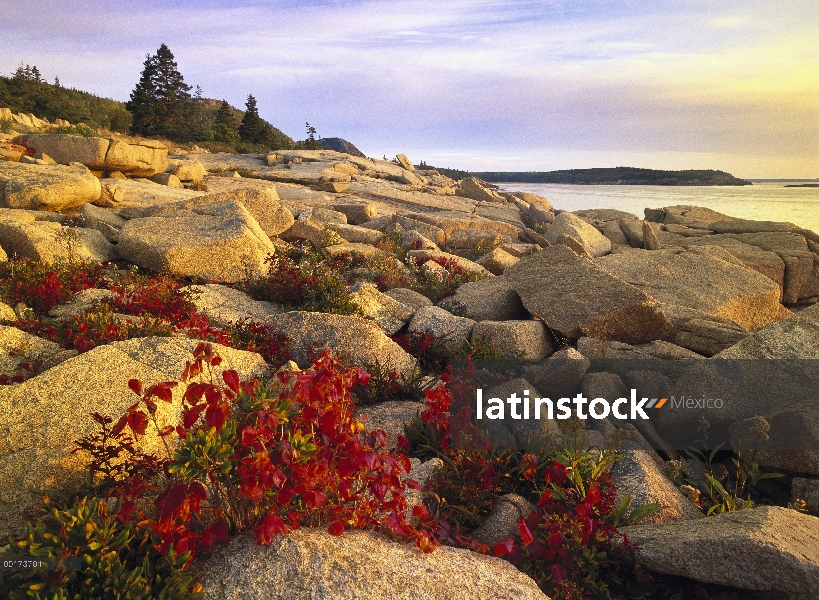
x=481, y=84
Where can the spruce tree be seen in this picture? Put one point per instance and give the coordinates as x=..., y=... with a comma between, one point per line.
x=161, y=102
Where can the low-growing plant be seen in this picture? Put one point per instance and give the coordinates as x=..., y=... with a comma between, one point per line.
x=303, y=278
x=80, y=129
x=570, y=545
x=44, y=286
x=723, y=494
x=437, y=284
x=244, y=458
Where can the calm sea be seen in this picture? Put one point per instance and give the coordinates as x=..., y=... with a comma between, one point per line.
x=763, y=201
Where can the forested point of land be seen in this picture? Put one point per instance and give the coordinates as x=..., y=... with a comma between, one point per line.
x=601, y=176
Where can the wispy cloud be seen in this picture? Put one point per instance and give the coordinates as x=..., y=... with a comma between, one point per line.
x=530, y=78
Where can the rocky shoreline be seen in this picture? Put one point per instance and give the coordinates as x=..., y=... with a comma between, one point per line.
x=557, y=290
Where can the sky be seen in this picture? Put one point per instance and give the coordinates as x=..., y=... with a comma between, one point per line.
x=479, y=84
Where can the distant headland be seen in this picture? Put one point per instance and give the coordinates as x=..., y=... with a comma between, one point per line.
x=613, y=176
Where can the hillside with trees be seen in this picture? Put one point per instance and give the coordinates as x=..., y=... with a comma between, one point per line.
x=27, y=92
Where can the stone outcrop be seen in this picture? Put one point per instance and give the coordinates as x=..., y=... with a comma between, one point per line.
x=218, y=242
x=694, y=284
x=359, y=341
x=46, y=187
x=138, y=158
x=358, y=566
x=595, y=243
x=576, y=297
x=763, y=549
x=54, y=409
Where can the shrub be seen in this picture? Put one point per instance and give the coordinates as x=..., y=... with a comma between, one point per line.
x=244, y=459
x=570, y=545
x=41, y=286
x=307, y=279
x=80, y=129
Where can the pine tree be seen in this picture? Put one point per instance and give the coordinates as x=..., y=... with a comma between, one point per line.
x=161, y=102
x=311, y=143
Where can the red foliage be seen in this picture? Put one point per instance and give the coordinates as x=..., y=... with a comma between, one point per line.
x=298, y=459
x=41, y=286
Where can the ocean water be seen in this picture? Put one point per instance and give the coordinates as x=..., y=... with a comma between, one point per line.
x=763, y=201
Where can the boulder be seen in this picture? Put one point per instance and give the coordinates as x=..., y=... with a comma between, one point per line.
x=404, y=162
x=224, y=305
x=390, y=314
x=142, y=158
x=48, y=242
x=576, y=297
x=356, y=340
x=390, y=416
x=540, y=214
x=471, y=239
x=638, y=476
x=520, y=433
x=692, y=283
x=794, y=338
x=358, y=235
x=431, y=232
x=409, y=297
x=452, y=332
x=490, y=299
x=311, y=563
x=592, y=240
x=472, y=188
x=504, y=520
x=807, y=490
x=527, y=340
x=412, y=240
x=82, y=302
x=262, y=203
x=187, y=170
x=18, y=347
x=106, y=222
x=764, y=549
x=791, y=443
x=46, y=187
x=559, y=376
x=709, y=337
x=650, y=240
x=451, y=221
x=365, y=250
x=358, y=213
x=328, y=216
x=218, y=242
x=54, y=409
x=497, y=261
x=466, y=265
x=313, y=231
x=168, y=179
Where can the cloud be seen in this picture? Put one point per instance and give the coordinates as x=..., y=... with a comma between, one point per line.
x=466, y=76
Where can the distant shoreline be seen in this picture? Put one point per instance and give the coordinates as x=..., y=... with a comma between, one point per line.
x=605, y=176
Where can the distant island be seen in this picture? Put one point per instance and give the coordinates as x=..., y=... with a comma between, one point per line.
x=805, y=185
x=614, y=176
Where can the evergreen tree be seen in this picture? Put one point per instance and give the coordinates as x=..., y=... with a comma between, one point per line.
x=311, y=143
x=160, y=103
x=253, y=129
x=226, y=128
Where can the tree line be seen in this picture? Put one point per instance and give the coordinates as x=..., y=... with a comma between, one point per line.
x=160, y=105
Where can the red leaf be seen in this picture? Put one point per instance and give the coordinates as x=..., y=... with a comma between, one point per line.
x=231, y=379
x=525, y=534
x=503, y=547
x=420, y=511
x=191, y=416
x=123, y=421
x=336, y=528
x=559, y=573
x=135, y=385
x=138, y=422
x=270, y=526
